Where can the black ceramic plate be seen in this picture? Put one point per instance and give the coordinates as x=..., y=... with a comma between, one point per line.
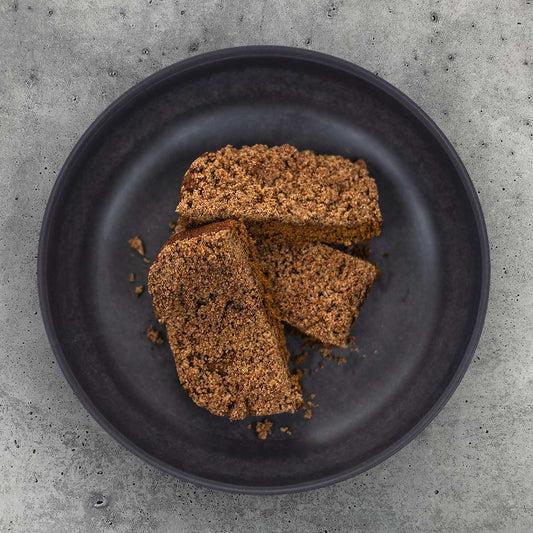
x=418, y=328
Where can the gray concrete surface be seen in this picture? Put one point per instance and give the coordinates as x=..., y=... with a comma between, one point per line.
x=468, y=63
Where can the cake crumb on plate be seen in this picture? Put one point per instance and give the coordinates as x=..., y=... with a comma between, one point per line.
x=299, y=358
x=263, y=429
x=154, y=335
x=137, y=244
x=326, y=352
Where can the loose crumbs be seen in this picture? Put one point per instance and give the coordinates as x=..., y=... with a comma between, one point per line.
x=263, y=429
x=137, y=244
x=154, y=335
x=299, y=358
x=326, y=353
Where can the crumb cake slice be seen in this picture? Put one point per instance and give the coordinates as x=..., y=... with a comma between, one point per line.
x=319, y=290
x=283, y=194
x=228, y=342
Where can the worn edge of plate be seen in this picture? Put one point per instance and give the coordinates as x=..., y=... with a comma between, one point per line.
x=249, y=52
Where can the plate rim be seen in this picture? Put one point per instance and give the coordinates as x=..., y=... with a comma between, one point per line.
x=251, y=52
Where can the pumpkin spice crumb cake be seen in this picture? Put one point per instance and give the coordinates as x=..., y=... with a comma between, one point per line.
x=228, y=343
x=283, y=194
x=319, y=290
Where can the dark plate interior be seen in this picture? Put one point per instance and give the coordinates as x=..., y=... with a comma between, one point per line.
x=418, y=328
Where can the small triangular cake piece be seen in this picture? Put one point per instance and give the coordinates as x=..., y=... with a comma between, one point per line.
x=319, y=290
x=283, y=194
x=222, y=325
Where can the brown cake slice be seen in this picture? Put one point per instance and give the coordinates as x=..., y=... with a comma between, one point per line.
x=319, y=290
x=227, y=339
x=283, y=194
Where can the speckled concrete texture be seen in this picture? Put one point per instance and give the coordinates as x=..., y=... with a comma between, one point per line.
x=467, y=63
